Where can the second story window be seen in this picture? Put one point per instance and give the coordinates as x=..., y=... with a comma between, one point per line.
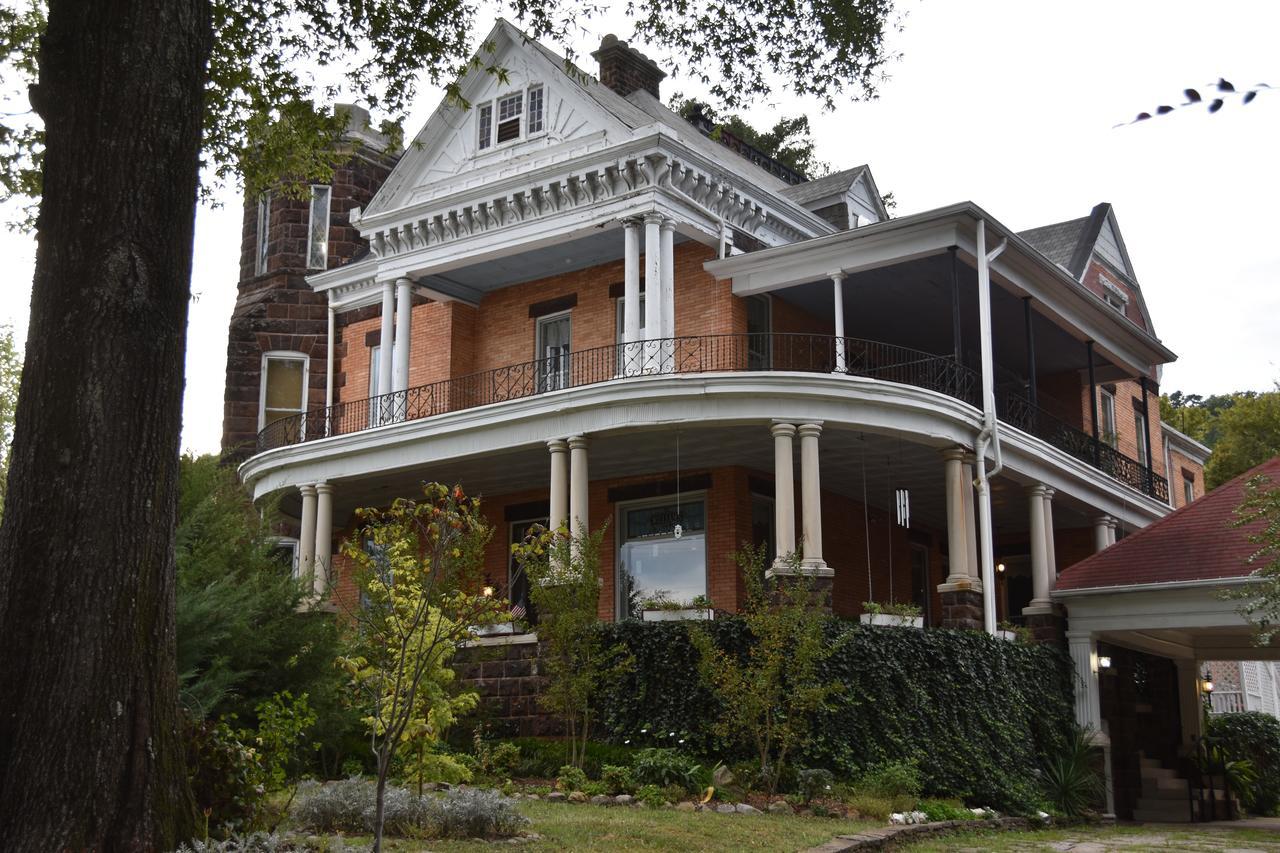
x=284, y=386
x=535, y=110
x=1141, y=424
x=1107, y=416
x=318, y=231
x=1188, y=486
x=263, y=234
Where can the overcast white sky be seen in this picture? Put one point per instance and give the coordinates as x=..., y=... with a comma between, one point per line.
x=1011, y=105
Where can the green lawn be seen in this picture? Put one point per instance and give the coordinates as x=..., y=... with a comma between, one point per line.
x=569, y=827
x=1123, y=839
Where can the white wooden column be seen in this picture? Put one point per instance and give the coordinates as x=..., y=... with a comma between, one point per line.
x=1084, y=654
x=1051, y=553
x=558, y=514
x=579, y=486
x=784, y=496
x=404, y=334
x=386, y=340
x=971, y=524
x=837, y=290
x=652, y=276
x=631, y=297
x=1039, y=558
x=307, y=535
x=668, y=275
x=1101, y=530
x=959, y=492
x=323, y=561
x=1190, y=702
x=811, y=496
x=1112, y=526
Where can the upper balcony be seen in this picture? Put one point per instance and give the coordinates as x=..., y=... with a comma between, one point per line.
x=715, y=354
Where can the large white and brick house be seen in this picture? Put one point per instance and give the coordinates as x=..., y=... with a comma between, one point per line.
x=584, y=308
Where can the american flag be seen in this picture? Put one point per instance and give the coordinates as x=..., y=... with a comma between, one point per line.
x=517, y=611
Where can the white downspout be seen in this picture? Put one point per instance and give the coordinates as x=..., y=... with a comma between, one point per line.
x=328, y=371
x=990, y=434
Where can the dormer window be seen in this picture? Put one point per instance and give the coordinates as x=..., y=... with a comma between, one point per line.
x=510, y=109
x=511, y=118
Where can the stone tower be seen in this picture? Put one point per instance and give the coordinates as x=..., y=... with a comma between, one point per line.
x=279, y=325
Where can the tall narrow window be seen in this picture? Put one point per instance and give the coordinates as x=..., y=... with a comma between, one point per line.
x=535, y=110
x=264, y=234
x=318, y=232
x=553, y=345
x=1107, y=412
x=485, y=123
x=759, y=339
x=1141, y=423
x=509, y=111
x=284, y=386
x=375, y=358
x=1188, y=486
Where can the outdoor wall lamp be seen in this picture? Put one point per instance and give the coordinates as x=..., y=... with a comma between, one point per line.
x=999, y=567
x=1207, y=682
x=1104, y=661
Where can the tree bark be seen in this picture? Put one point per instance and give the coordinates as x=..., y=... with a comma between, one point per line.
x=91, y=755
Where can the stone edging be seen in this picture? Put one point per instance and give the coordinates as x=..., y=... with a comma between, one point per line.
x=887, y=837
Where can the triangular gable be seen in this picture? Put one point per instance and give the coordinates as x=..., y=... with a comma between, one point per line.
x=447, y=145
x=866, y=198
x=1110, y=246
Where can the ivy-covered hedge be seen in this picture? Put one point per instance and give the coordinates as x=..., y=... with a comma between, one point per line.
x=1254, y=736
x=979, y=714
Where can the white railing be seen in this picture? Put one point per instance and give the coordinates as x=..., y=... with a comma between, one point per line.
x=1226, y=702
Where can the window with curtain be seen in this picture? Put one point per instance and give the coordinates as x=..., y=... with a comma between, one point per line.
x=284, y=386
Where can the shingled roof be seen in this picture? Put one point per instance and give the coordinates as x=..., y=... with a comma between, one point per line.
x=1058, y=241
x=1194, y=543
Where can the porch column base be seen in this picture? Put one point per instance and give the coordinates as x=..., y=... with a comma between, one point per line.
x=961, y=608
x=1048, y=628
x=818, y=582
x=965, y=585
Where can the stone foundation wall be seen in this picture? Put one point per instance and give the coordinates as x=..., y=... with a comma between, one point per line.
x=504, y=671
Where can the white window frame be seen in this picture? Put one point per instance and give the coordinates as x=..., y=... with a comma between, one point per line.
x=263, y=234
x=311, y=213
x=281, y=355
x=1114, y=296
x=1107, y=412
x=564, y=377
x=488, y=143
x=531, y=131
x=1188, y=488
x=292, y=543
x=619, y=521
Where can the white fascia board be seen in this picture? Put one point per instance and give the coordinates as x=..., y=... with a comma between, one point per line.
x=884, y=247
x=1040, y=462
x=1185, y=444
x=1153, y=607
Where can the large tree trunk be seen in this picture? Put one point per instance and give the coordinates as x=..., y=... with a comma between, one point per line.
x=91, y=755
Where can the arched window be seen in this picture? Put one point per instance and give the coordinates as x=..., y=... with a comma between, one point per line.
x=284, y=386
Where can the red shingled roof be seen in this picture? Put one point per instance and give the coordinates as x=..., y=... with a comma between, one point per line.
x=1193, y=543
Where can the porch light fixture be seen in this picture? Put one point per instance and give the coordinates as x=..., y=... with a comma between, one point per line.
x=487, y=592
x=1000, y=567
x=1206, y=683
x=1104, y=661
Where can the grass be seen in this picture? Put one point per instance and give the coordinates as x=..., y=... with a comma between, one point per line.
x=1123, y=839
x=592, y=828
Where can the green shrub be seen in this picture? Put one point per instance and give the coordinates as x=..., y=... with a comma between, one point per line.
x=227, y=775
x=542, y=757
x=872, y=807
x=617, y=780
x=812, y=783
x=1256, y=737
x=892, y=779
x=1073, y=780
x=349, y=806
x=651, y=796
x=981, y=715
x=944, y=810
x=661, y=766
x=571, y=778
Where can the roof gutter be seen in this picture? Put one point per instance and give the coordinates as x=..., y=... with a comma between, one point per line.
x=1153, y=587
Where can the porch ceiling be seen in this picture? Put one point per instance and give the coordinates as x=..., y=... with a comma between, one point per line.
x=909, y=304
x=850, y=462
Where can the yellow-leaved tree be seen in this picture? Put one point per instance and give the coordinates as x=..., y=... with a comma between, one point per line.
x=419, y=570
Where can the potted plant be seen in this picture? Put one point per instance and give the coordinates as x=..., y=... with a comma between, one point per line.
x=892, y=615
x=1013, y=633
x=660, y=607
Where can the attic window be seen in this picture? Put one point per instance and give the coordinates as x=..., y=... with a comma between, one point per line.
x=1114, y=296
x=535, y=110
x=486, y=127
x=509, y=110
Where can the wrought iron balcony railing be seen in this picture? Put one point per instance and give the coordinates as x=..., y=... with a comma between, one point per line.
x=703, y=354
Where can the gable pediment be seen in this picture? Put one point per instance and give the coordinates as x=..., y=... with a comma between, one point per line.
x=556, y=116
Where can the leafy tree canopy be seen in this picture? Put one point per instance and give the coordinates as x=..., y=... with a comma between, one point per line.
x=1242, y=428
x=10, y=376
x=264, y=99
x=789, y=141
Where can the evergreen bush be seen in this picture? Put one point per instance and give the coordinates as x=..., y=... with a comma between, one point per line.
x=1255, y=737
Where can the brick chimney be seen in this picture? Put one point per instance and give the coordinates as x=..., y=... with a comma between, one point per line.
x=625, y=69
